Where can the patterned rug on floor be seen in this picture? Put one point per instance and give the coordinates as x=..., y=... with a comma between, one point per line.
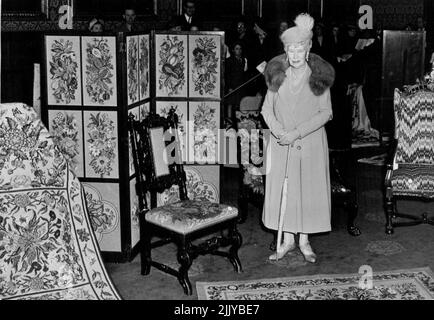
x=412, y=284
x=48, y=249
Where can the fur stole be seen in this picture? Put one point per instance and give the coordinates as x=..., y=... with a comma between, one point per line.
x=322, y=77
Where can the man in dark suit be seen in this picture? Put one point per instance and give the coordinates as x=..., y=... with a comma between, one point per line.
x=129, y=17
x=320, y=42
x=188, y=18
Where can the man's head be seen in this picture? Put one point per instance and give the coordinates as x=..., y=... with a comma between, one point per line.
x=129, y=16
x=237, y=49
x=352, y=31
x=318, y=30
x=335, y=31
x=241, y=27
x=283, y=26
x=189, y=8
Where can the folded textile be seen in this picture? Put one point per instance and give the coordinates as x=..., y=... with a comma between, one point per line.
x=48, y=249
x=362, y=131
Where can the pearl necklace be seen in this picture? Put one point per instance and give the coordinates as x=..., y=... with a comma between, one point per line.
x=295, y=78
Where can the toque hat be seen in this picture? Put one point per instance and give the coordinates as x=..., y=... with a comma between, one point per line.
x=301, y=32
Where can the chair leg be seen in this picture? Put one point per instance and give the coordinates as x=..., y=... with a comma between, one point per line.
x=237, y=241
x=145, y=248
x=389, y=213
x=243, y=205
x=352, y=210
x=395, y=208
x=184, y=258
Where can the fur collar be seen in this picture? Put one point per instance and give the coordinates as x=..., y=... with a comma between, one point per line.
x=322, y=77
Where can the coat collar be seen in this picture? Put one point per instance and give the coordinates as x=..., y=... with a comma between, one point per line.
x=321, y=78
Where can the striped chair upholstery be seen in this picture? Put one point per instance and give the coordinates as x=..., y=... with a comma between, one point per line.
x=413, y=173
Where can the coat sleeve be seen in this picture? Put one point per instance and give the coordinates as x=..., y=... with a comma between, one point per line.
x=267, y=112
x=324, y=115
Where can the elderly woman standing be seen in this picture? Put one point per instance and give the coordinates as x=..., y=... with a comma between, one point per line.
x=296, y=108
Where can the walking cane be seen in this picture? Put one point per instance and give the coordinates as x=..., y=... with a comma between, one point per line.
x=283, y=201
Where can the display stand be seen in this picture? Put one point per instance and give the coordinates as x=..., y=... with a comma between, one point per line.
x=92, y=83
x=187, y=75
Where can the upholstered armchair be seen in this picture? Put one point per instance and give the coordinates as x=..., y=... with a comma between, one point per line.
x=410, y=171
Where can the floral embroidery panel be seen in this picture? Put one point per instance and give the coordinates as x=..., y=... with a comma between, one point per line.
x=171, y=65
x=202, y=185
x=47, y=250
x=205, y=58
x=101, y=144
x=63, y=70
x=144, y=66
x=203, y=138
x=181, y=109
x=28, y=156
x=99, y=71
x=66, y=128
x=132, y=69
x=103, y=208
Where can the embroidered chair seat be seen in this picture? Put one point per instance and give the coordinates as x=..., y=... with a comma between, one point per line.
x=189, y=215
x=414, y=181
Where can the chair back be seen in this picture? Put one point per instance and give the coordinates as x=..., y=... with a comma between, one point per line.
x=414, y=123
x=157, y=156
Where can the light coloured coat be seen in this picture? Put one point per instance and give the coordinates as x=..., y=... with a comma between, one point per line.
x=308, y=208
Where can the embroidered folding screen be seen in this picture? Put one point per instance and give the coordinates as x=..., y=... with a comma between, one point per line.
x=90, y=86
x=187, y=76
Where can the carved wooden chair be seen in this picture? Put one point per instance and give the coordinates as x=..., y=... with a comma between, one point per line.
x=342, y=193
x=410, y=171
x=158, y=165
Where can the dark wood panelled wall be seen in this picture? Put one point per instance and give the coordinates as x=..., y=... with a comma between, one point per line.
x=23, y=23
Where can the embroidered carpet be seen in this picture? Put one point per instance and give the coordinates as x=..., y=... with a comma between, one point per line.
x=47, y=246
x=413, y=284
